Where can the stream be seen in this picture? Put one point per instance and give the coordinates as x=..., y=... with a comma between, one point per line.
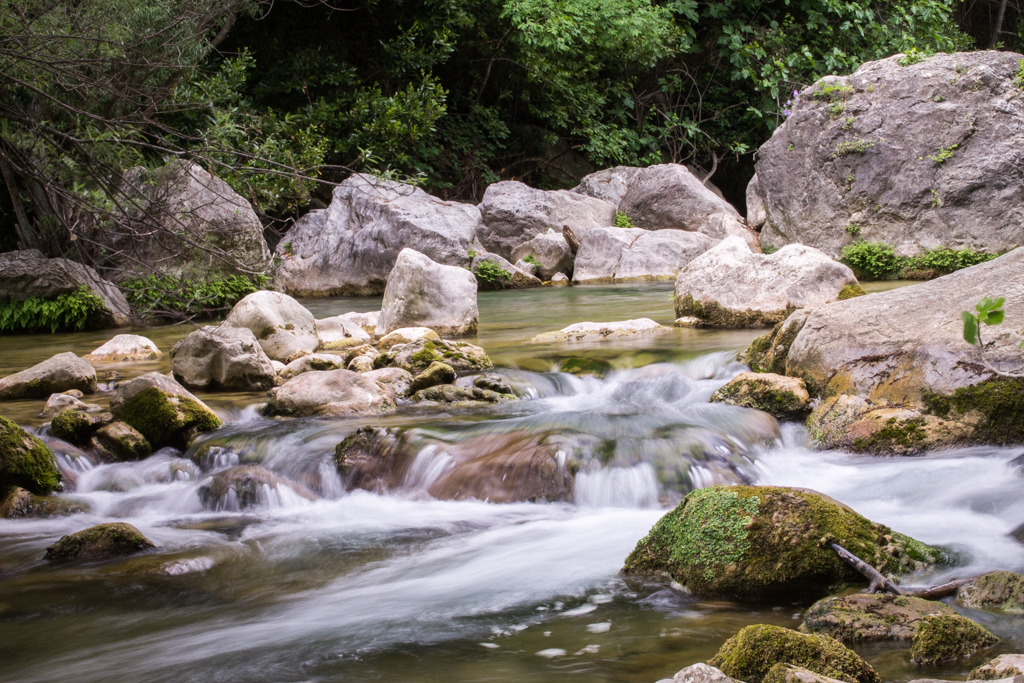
x=395, y=585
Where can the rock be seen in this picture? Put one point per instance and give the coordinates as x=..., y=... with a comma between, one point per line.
x=436, y=373
x=787, y=673
x=422, y=293
x=446, y=393
x=766, y=544
x=278, y=366
x=350, y=248
x=162, y=410
x=59, y=373
x=59, y=403
x=687, y=321
x=493, y=383
x=25, y=461
x=609, y=184
x=330, y=392
x=914, y=156
x=550, y=251
x=188, y=224
x=19, y=503
x=361, y=364
x=768, y=353
x=751, y=654
x=246, y=486
x=314, y=361
x=1002, y=590
x=395, y=379
x=125, y=347
x=282, y=325
x=222, y=358
x=632, y=255
x=524, y=266
x=417, y=356
x=99, y=542
x=77, y=427
x=669, y=197
x=785, y=398
x=863, y=616
x=119, y=442
x=700, y=673
x=911, y=382
x=560, y=280
x=513, y=213
x=340, y=328
x=366, y=321
x=494, y=272
x=27, y=274
x=947, y=638
x=591, y=332
x=729, y=286
x=406, y=335
x=1003, y=666
x=756, y=215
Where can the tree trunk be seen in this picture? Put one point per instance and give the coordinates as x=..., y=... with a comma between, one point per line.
x=999, y=25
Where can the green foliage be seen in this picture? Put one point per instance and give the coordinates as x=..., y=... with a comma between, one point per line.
x=832, y=92
x=878, y=261
x=989, y=312
x=948, y=260
x=171, y=297
x=1019, y=78
x=943, y=154
x=913, y=56
x=853, y=229
x=875, y=259
x=769, y=249
x=491, y=273
x=855, y=146
x=66, y=313
x=622, y=220
x=530, y=258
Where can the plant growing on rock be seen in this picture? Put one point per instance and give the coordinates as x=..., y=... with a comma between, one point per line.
x=622, y=220
x=68, y=312
x=987, y=312
x=855, y=146
x=492, y=273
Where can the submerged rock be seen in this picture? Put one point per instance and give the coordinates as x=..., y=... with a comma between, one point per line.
x=785, y=398
x=1003, y=666
x=1002, y=590
x=20, y=503
x=947, y=638
x=590, y=332
x=222, y=358
x=54, y=375
x=125, y=347
x=417, y=356
x=99, y=542
x=609, y=255
x=117, y=441
x=863, y=616
x=238, y=488
x=283, y=326
x=423, y=293
x=162, y=410
x=769, y=543
x=752, y=653
x=25, y=461
x=330, y=392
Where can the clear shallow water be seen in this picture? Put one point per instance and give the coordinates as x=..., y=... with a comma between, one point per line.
x=394, y=585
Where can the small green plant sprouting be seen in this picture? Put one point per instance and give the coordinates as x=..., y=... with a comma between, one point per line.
x=939, y=98
x=622, y=220
x=913, y=56
x=472, y=254
x=833, y=92
x=531, y=259
x=790, y=148
x=491, y=273
x=989, y=312
x=1019, y=78
x=878, y=261
x=871, y=87
x=849, y=181
x=936, y=199
x=171, y=297
x=855, y=146
x=68, y=312
x=288, y=248
x=769, y=249
x=853, y=229
x=836, y=109
x=847, y=123
x=944, y=154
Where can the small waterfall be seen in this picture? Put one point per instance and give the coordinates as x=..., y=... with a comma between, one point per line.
x=628, y=487
x=430, y=463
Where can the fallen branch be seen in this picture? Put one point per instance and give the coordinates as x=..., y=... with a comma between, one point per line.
x=878, y=582
x=939, y=592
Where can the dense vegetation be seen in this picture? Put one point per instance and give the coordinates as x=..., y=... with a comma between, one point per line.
x=879, y=261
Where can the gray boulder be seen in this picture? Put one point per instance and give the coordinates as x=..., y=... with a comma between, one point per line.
x=396, y=380
x=669, y=197
x=186, y=223
x=59, y=403
x=526, y=267
x=494, y=272
x=514, y=213
x=340, y=331
x=330, y=392
x=417, y=356
x=54, y=375
x=550, y=251
x=730, y=286
x=598, y=332
x=351, y=247
x=282, y=325
x=609, y=184
x=633, y=255
x=366, y=321
x=314, y=361
x=917, y=156
x=125, y=347
x=756, y=215
x=222, y=358
x=162, y=410
x=27, y=274
x=423, y=293
x=406, y=335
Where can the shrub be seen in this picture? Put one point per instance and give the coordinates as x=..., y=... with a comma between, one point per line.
x=876, y=260
x=855, y=146
x=946, y=261
x=1019, y=79
x=913, y=56
x=66, y=313
x=530, y=258
x=491, y=273
x=622, y=220
x=172, y=297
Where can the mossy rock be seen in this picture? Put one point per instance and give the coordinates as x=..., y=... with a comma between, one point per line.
x=787, y=673
x=99, y=542
x=785, y=398
x=1003, y=666
x=862, y=616
x=769, y=543
x=851, y=292
x=768, y=353
x=948, y=638
x=417, y=356
x=163, y=411
x=26, y=461
x=76, y=426
x=118, y=441
x=449, y=393
x=20, y=503
x=435, y=374
x=713, y=314
x=752, y=653
x=991, y=409
x=1002, y=590
x=493, y=383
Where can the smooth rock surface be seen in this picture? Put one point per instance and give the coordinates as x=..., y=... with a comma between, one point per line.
x=756, y=215
x=591, y=332
x=550, y=251
x=609, y=255
x=366, y=321
x=314, y=361
x=54, y=375
x=397, y=380
x=330, y=392
x=1003, y=666
x=119, y=442
x=863, y=616
x=341, y=328
x=405, y=335
x=125, y=347
x=423, y=293
x=282, y=325
x=700, y=673
x=58, y=403
x=609, y=184
x=222, y=358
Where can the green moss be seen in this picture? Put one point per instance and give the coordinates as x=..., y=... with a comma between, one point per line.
x=768, y=353
x=864, y=617
x=25, y=461
x=946, y=638
x=99, y=542
x=427, y=355
x=850, y=292
x=771, y=394
x=167, y=420
x=855, y=146
x=73, y=426
x=1002, y=590
x=754, y=651
x=622, y=220
x=993, y=408
x=713, y=314
x=907, y=436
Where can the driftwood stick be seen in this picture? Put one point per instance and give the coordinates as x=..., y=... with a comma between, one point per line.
x=878, y=582
x=939, y=592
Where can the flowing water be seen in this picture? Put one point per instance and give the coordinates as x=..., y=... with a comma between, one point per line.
x=396, y=585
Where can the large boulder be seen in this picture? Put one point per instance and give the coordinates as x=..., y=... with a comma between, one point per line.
x=99, y=542
x=514, y=213
x=1002, y=590
x=669, y=197
x=609, y=184
x=222, y=358
x=599, y=332
x=863, y=616
x=78, y=426
x=608, y=255
x=756, y=215
x=57, y=374
x=27, y=274
x=162, y=410
x=423, y=293
x=947, y=638
x=125, y=347
x=282, y=325
x=186, y=223
x=894, y=373
x=330, y=392
x=549, y=252
x=766, y=542
x=351, y=247
x=1003, y=666
x=917, y=156
x=729, y=286
x=25, y=461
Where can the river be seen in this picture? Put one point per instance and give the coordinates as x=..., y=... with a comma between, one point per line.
x=398, y=586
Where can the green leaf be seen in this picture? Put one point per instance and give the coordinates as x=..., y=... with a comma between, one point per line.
x=993, y=318
x=970, y=327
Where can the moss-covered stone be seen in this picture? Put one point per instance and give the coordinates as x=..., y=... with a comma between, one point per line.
x=788, y=673
x=20, y=503
x=25, y=461
x=162, y=410
x=850, y=292
x=754, y=651
x=992, y=409
x=713, y=314
x=493, y=383
x=947, y=638
x=862, y=616
x=768, y=353
x=449, y=393
x=1003, y=666
x=435, y=374
x=99, y=542
x=76, y=426
x=118, y=441
x=1002, y=590
x=766, y=542
x=785, y=398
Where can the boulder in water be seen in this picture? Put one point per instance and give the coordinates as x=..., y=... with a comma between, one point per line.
x=340, y=331
x=59, y=403
x=1002, y=590
x=162, y=410
x=560, y=280
x=549, y=252
x=330, y=392
x=1003, y=666
x=99, y=542
x=423, y=293
x=283, y=326
x=609, y=255
x=20, y=503
x=118, y=442
x=788, y=673
x=785, y=398
x=125, y=347
x=406, y=335
x=222, y=358
x=766, y=543
x=699, y=673
x=596, y=332
x=77, y=426
x=25, y=461
x=863, y=616
x=54, y=375
x=948, y=638
x=314, y=361
x=417, y=356
x=245, y=486
x=435, y=374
